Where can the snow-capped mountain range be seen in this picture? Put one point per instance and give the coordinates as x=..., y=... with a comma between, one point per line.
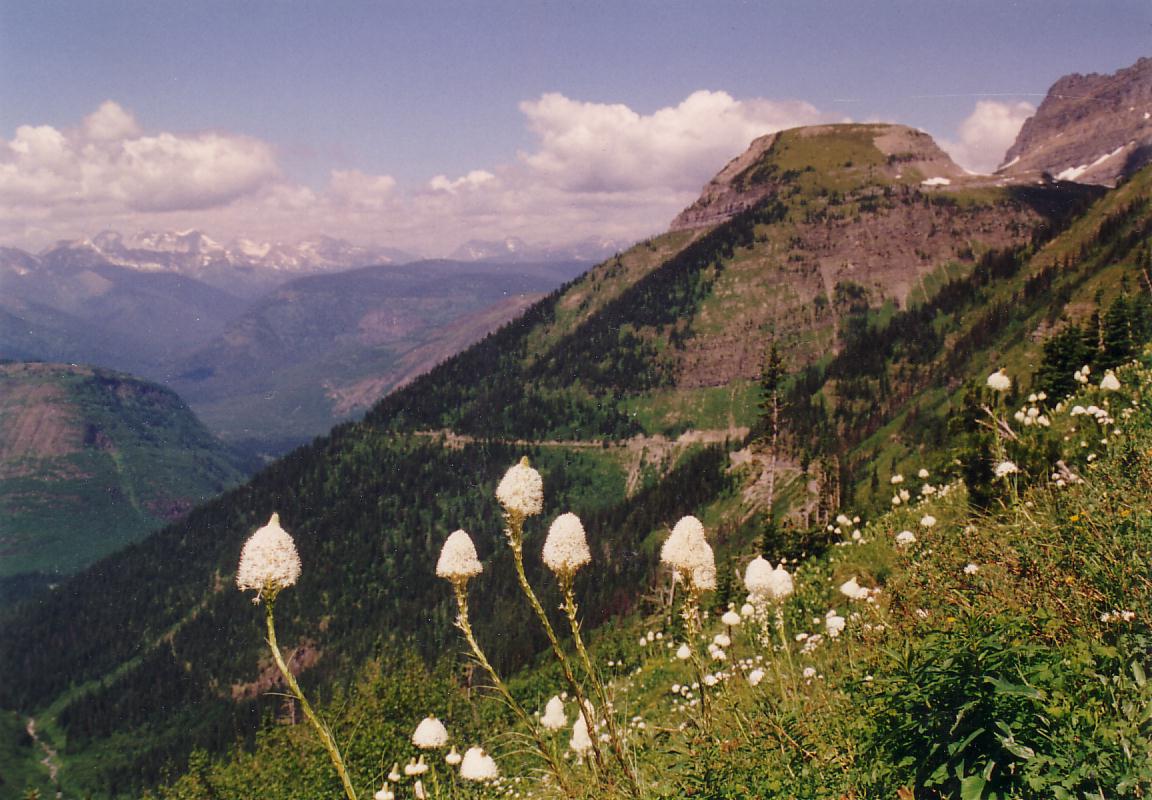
x=241, y=266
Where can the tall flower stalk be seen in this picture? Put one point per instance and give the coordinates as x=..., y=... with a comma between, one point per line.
x=687, y=552
x=565, y=551
x=458, y=564
x=269, y=563
x=521, y=493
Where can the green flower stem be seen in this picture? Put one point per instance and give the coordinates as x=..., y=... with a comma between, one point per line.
x=326, y=737
x=690, y=612
x=613, y=730
x=466, y=628
x=515, y=533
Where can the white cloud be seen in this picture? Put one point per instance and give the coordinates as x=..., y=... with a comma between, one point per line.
x=473, y=180
x=356, y=189
x=987, y=133
x=110, y=121
x=598, y=147
x=107, y=165
x=596, y=169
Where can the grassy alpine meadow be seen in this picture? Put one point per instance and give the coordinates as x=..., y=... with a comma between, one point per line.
x=984, y=638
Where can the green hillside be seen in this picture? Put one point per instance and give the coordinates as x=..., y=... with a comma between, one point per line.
x=91, y=460
x=639, y=391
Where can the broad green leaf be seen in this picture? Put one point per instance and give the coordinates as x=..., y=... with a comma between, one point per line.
x=972, y=787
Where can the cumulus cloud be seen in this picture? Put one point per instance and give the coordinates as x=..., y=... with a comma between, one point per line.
x=595, y=169
x=357, y=189
x=108, y=164
x=598, y=147
x=987, y=133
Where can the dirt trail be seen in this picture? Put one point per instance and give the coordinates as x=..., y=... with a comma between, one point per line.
x=653, y=451
x=50, y=757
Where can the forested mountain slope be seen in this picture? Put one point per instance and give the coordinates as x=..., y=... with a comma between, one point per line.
x=882, y=292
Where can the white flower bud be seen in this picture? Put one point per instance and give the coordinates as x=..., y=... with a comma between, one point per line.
x=458, y=559
x=521, y=490
x=478, y=766
x=566, y=548
x=430, y=734
x=554, y=718
x=269, y=561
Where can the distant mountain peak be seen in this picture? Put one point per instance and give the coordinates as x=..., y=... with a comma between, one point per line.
x=1089, y=129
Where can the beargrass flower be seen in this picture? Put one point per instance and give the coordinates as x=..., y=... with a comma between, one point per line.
x=458, y=560
x=580, y=742
x=269, y=561
x=755, y=676
x=853, y=590
x=430, y=734
x=453, y=758
x=478, y=766
x=758, y=577
x=747, y=610
x=566, y=548
x=971, y=569
x=1005, y=468
x=834, y=624
x=686, y=549
x=922, y=474
x=415, y=767
x=394, y=773
x=554, y=718
x=722, y=640
x=927, y=521
x=684, y=652
x=704, y=576
x=418, y=791
x=1110, y=383
x=999, y=381
x=384, y=794
x=905, y=538
x=521, y=490
x=730, y=618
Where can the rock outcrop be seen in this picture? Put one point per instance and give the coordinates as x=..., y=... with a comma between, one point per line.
x=1090, y=128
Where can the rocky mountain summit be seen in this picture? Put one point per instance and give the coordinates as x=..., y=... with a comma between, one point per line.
x=1090, y=128
x=893, y=152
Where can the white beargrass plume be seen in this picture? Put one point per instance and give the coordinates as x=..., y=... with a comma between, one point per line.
x=781, y=585
x=704, y=576
x=478, y=766
x=580, y=742
x=853, y=590
x=731, y=618
x=905, y=538
x=686, y=548
x=458, y=561
x=1110, y=383
x=453, y=758
x=566, y=548
x=521, y=491
x=1005, y=468
x=430, y=734
x=999, y=381
x=758, y=577
x=554, y=718
x=385, y=794
x=269, y=561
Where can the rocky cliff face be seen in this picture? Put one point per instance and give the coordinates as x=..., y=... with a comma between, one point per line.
x=1090, y=128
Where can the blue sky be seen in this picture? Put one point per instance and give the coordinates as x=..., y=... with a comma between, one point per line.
x=290, y=116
